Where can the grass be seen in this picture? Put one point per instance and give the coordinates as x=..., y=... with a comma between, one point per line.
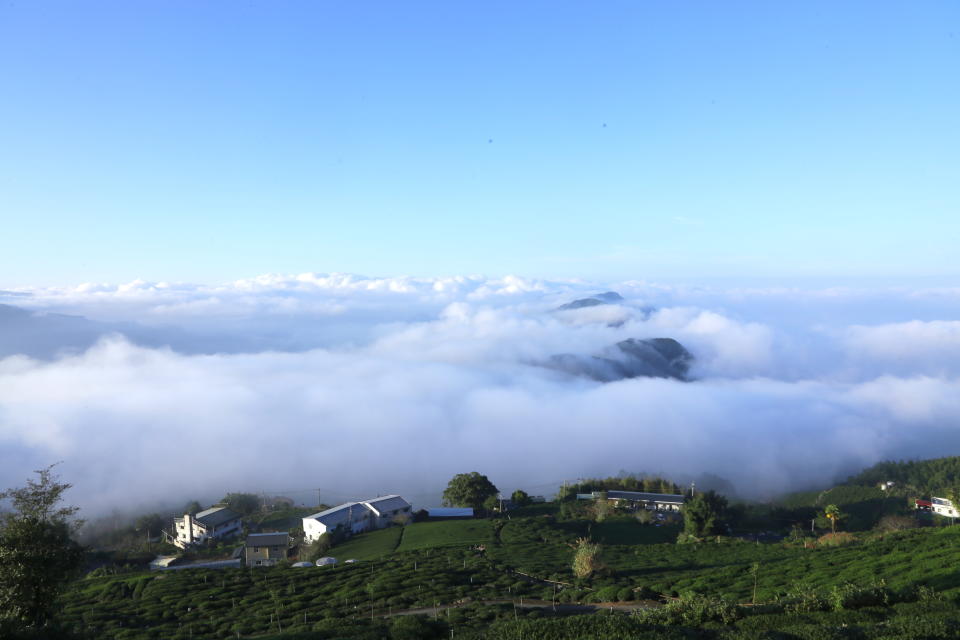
x=368, y=546
x=283, y=519
x=425, y=535
x=629, y=531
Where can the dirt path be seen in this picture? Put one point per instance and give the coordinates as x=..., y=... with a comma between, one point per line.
x=523, y=603
x=399, y=539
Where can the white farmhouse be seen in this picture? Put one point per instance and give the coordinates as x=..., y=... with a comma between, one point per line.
x=944, y=507
x=214, y=523
x=355, y=517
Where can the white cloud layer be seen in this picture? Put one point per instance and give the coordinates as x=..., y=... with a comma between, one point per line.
x=360, y=385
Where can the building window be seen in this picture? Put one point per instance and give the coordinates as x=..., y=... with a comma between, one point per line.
x=255, y=550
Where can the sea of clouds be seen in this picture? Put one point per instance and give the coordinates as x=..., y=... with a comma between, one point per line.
x=354, y=386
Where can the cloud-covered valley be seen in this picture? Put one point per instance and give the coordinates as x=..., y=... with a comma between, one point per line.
x=155, y=391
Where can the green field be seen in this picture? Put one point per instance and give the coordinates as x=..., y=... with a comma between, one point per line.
x=425, y=535
x=368, y=546
x=284, y=519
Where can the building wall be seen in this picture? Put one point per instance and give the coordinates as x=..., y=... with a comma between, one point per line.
x=264, y=556
x=945, y=510
x=363, y=520
x=189, y=531
x=313, y=529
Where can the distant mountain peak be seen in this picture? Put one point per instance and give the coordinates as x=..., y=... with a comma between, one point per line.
x=632, y=358
x=609, y=297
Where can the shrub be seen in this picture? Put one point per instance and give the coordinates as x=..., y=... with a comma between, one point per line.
x=839, y=539
x=896, y=523
x=804, y=598
x=605, y=594
x=851, y=596
x=692, y=609
x=586, y=560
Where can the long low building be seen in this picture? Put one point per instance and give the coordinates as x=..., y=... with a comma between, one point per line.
x=355, y=517
x=657, y=501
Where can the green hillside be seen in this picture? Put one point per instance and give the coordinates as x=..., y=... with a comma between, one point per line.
x=869, y=585
x=925, y=477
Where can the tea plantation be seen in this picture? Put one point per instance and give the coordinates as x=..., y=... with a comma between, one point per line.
x=492, y=579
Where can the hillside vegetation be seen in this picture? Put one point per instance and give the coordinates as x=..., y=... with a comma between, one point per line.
x=464, y=575
x=926, y=477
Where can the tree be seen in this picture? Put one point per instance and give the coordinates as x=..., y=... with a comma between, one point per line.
x=150, y=523
x=37, y=555
x=468, y=490
x=833, y=514
x=193, y=507
x=601, y=507
x=586, y=558
x=243, y=503
x=520, y=498
x=703, y=515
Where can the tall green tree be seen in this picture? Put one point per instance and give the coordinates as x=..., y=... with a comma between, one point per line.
x=38, y=557
x=243, y=503
x=520, y=498
x=704, y=514
x=468, y=490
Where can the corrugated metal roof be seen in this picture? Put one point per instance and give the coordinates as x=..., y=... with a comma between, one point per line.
x=636, y=496
x=341, y=514
x=384, y=504
x=268, y=539
x=216, y=516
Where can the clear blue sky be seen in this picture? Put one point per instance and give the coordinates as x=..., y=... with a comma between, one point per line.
x=206, y=141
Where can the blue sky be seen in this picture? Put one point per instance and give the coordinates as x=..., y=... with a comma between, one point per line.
x=216, y=140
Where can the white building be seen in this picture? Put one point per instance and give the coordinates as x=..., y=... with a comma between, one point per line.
x=214, y=523
x=944, y=507
x=355, y=517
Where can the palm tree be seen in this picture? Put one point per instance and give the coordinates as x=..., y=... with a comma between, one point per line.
x=832, y=512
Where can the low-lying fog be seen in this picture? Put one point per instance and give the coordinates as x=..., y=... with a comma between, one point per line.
x=154, y=392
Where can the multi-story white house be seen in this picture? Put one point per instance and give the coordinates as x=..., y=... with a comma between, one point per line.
x=355, y=517
x=944, y=507
x=214, y=523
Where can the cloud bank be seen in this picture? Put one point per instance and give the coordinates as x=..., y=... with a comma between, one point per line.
x=353, y=386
